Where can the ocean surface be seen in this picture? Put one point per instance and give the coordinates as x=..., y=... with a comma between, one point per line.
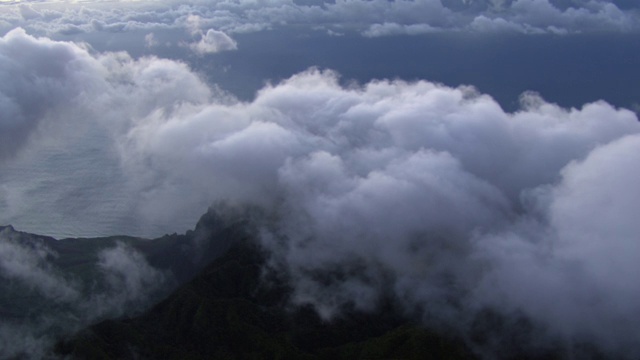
x=78, y=190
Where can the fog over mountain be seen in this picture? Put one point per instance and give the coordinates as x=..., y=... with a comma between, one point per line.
x=360, y=188
x=46, y=295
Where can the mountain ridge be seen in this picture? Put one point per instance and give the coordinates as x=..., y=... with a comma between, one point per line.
x=224, y=300
x=228, y=312
x=51, y=288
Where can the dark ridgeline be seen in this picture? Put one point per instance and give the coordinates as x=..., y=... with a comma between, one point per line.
x=233, y=309
x=51, y=288
x=228, y=312
x=223, y=305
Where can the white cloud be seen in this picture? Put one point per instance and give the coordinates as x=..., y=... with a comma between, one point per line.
x=150, y=40
x=213, y=41
x=130, y=282
x=30, y=267
x=579, y=268
x=424, y=191
x=38, y=79
x=404, y=178
x=436, y=186
x=397, y=29
x=365, y=16
x=594, y=16
x=28, y=12
x=56, y=98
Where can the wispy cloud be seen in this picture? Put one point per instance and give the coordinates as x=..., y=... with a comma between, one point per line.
x=47, y=302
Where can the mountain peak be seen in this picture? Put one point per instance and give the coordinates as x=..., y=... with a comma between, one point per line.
x=8, y=228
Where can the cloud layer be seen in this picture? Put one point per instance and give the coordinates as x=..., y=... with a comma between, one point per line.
x=371, y=18
x=429, y=194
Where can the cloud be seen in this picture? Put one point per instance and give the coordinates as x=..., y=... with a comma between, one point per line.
x=578, y=266
x=42, y=79
x=28, y=12
x=30, y=267
x=130, y=282
x=150, y=40
x=59, y=99
x=37, y=80
x=385, y=29
x=428, y=194
x=364, y=16
x=593, y=16
x=47, y=302
x=433, y=192
x=213, y=41
x=19, y=341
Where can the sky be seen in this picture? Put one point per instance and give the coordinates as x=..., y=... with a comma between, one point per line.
x=476, y=150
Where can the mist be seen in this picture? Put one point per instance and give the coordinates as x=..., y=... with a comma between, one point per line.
x=430, y=194
x=43, y=301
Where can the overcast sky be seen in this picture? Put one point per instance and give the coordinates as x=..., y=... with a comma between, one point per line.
x=491, y=144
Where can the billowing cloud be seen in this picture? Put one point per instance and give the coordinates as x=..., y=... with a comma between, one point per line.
x=28, y=12
x=575, y=270
x=213, y=41
x=38, y=78
x=432, y=195
x=56, y=97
